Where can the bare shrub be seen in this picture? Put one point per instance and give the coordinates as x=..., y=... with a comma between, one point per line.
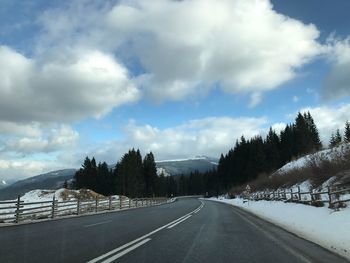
x=319, y=168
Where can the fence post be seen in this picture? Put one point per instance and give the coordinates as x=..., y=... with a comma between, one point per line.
x=120, y=202
x=17, y=208
x=299, y=194
x=311, y=195
x=78, y=205
x=329, y=195
x=291, y=194
x=110, y=203
x=96, y=204
x=53, y=207
x=129, y=203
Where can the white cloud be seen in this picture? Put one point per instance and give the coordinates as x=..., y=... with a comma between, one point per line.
x=255, y=99
x=71, y=85
x=295, y=99
x=58, y=138
x=186, y=46
x=337, y=84
x=210, y=136
x=328, y=119
x=18, y=169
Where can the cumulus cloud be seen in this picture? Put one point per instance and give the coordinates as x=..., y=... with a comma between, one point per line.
x=337, y=83
x=63, y=137
x=210, y=136
x=185, y=47
x=72, y=85
x=243, y=45
x=17, y=169
x=328, y=119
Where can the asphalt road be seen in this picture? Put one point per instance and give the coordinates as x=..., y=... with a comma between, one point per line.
x=188, y=230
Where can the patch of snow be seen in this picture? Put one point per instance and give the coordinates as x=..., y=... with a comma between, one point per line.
x=320, y=225
x=328, y=154
x=161, y=170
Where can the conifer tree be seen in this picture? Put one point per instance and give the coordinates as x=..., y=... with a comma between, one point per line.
x=347, y=132
x=149, y=174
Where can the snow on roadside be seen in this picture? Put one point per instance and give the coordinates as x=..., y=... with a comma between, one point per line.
x=40, y=195
x=328, y=228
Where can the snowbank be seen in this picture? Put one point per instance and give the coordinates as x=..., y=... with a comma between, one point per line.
x=328, y=228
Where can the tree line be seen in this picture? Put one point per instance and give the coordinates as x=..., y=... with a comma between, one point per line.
x=258, y=155
x=132, y=176
x=136, y=177
x=337, y=138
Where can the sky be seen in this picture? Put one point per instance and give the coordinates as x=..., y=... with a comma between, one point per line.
x=178, y=78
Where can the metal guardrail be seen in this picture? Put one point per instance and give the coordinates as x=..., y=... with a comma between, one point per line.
x=18, y=211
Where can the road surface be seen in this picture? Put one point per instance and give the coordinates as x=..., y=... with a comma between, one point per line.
x=188, y=230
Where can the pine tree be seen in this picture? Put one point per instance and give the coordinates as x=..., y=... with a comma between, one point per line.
x=272, y=145
x=338, y=138
x=332, y=142
x=347, y=132
x=315, y=137
x=149, y=174
x=65, y=184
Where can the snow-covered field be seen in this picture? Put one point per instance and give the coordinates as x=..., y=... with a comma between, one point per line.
x=321, y=225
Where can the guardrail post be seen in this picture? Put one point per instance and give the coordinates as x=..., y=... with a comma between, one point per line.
x=136, y=202
x=110, y=203
x=53, y=206
x=78, y=205
x=299, y=194
x=120, y=202
x=17, y=208
x=96, y=204
x=129, y=203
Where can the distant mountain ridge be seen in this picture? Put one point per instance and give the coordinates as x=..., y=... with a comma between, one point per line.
x=51, y=180
x=55, y=179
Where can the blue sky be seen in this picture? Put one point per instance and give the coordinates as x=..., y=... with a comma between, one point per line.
x=179, y=78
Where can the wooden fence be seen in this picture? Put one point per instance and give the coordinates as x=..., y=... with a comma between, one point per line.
x=17, y=210
x=335, y=196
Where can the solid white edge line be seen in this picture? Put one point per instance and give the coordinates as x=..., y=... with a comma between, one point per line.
x=137, y=239
x=178, y=222
x=120, y=254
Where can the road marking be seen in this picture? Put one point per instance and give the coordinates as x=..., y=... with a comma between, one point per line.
x=100, y=223
x=199, y=208
x=140, y=238
x=120, y=254
x=178, y=222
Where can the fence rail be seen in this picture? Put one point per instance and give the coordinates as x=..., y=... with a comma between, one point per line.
x=17, y=211
x=335, y=196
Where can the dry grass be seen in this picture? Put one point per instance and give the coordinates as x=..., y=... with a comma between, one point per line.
x=317, y=171
x=83, y=194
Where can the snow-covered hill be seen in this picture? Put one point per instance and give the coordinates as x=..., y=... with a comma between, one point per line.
x=328, y=154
